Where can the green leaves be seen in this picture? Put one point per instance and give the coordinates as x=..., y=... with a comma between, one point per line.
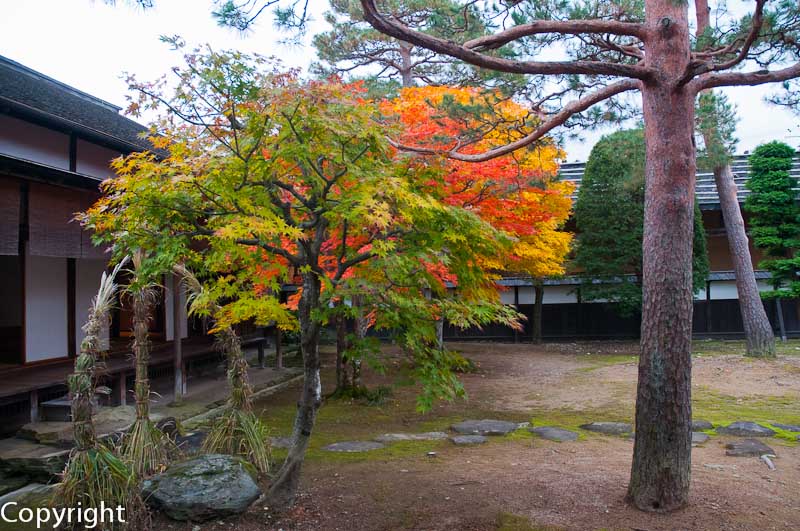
x=775, y=216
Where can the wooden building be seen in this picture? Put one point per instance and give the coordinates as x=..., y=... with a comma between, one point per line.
x=716, y=310
x=55, y=146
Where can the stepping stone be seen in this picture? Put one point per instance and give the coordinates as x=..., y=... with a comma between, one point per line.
x=787, y=427
x=746, y=429
x=485, y=427
x=465, y=440
x=397, y=437
x=608, y=428
x=698, y=437
x=747, y=448
x=701, y=425
x=554, y=434
x=353, y=446
x=281, y=442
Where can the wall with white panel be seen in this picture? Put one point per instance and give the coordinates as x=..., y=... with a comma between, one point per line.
x=94, y=160
x=46, y=334
x=31, y=142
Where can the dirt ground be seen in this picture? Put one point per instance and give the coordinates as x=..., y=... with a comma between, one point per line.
x=523, y=483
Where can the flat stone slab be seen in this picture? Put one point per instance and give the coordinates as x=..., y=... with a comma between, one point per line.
x=554, y=434
x=353, y=446
x=466, y=440
x=38, y=462
x=787, y=427
x=485, y=427
x=698, y=437
x=608, y=428
x=701, y=425
x=399, y=437
x=745, y=429
x=748, y=448
x=281, y=442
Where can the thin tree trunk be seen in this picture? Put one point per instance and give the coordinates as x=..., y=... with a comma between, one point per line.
x=757, y=328
x=283, y=489
x=141, y=351
x=342, y=381
x=406, y=67
x=660, y=472
x=538, y=289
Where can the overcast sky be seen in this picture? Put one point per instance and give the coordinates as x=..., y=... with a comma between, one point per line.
x=88, y=44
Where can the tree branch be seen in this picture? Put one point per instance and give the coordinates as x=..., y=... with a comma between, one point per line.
x=760, y=77
x=563, y=27
x=400, y=31
x=554, y=121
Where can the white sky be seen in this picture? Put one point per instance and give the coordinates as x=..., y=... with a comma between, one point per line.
x=88, y=44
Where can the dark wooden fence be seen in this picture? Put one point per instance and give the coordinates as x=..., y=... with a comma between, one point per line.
x=715, y=318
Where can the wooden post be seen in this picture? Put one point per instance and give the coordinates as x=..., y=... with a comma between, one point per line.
x=516, y=307
x=260, y=346
x=122, y=389
x=34, y=399
x=177, y=343
x=278, y=349
x=781, y=325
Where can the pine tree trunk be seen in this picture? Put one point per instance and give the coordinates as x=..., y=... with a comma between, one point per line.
x=283, y=490
x=141, y=351
x=660, y=472
x=538, y=289
x=757, y=328
x=406, y=66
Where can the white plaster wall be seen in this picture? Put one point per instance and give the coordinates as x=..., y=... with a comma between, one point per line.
x=45, y=308
x=507, y=295
x=31, y=142
x=94, y=160
x=559, y=295
x=168, y=298
x=87, y=280
x=724, y=289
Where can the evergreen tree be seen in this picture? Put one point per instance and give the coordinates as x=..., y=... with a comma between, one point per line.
x=775, y=222
x=610, y=218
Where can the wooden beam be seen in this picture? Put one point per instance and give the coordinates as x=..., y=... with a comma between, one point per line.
x=71, y=302
x=34, y=400
x=178, y=315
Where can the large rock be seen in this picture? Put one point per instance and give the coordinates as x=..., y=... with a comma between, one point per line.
x=554, y=434
x=701, y=425
x=747, y=448
x=37, y=462
x=467, y=440
x=485, y=427
x=202, y=488
x=399, y=437
x=746, y=429
x=33, y=496
x=608, y=428
x=698, y=437
x=353, y=446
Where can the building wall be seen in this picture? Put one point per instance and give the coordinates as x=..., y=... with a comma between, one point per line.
x=94, y=160
x=46, y=334
x=31, y=142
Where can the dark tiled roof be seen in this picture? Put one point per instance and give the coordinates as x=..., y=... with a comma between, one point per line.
x=31, y=95
x=706, y=190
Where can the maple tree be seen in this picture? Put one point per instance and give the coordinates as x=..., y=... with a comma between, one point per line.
x=265, y=179
x=518, y=194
